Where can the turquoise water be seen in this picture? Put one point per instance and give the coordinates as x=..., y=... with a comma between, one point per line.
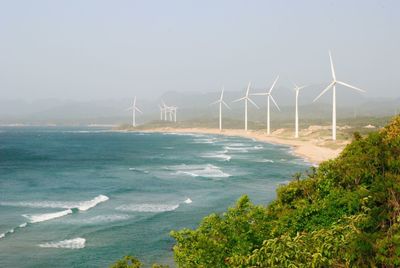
x=75, y=197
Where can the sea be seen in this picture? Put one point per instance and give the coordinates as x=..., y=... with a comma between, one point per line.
x=85, y=197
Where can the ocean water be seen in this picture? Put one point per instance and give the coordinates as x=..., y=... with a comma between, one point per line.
x=79, y=197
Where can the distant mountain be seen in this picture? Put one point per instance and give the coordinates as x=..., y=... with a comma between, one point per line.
x=195, y=105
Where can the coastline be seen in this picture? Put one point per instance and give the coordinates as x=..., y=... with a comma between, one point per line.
x=312, y=151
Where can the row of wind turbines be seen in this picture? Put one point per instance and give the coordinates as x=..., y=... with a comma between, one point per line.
x=297, y=89
x=172, y=110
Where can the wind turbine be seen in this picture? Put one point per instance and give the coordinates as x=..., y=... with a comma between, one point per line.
x=268, y=93
x=220, y=101
x=165, y=109
x=297, y=90
x=134, y=108
x=246, y=99
x=173, y=110
x=333, y=86
x=161, y=112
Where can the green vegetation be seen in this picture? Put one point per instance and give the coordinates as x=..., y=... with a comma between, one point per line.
x=346, y=213
x=132, y=262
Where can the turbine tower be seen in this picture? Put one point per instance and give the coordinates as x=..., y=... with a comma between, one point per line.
x=333, y=86
x=134, y=108
x=161, y=112
x=268, y=93
x=246, y=99
x=165, y=109
x=297, y=90
x=173, y=110
x=220, y=101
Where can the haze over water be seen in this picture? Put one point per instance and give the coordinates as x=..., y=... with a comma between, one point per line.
x=75, y=197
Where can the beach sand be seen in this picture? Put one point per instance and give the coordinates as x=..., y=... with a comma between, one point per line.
x=314, y=150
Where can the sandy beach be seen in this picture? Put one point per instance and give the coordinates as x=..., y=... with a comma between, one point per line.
x=313, y=150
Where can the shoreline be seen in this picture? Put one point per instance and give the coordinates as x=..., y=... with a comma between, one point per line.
x=310, y=150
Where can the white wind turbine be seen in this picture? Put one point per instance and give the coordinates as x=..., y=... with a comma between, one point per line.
x=220, y=101
x=134, y=108
x=297, y=90
x=161, y=112
x=174, y=110
x=165, y=109
x=246, y=99
x=333, y=86
x=268, y=93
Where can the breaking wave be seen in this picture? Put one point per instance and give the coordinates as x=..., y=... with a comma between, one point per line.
x=205, y=140
x=218, y=155
x=76, y=243
x=265, y=161
x=82, y=205
x=138, y=170
x=99, y=219
x=13, y=230
x=47, y=216
x=208, y=171
x=243, y=149
x=151, y=207
x=148, y=207
x=188, y=201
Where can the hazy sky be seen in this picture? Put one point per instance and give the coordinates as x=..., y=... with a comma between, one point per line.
x=97, y=49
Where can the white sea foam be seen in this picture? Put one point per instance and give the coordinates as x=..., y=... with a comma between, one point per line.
x=265, y=161
x=236, y=144
x=219, y=155
x=6, y=233
x=209, y=171
x=82, y=205
x=205, y=140
x=13, y=230
x=139, y=170
x=76, y=243
x=243, y=149
x=99, y=219
x=47, y=216
x=85, y=205
x=188, y=201
x=237, y=149
x=148, y=207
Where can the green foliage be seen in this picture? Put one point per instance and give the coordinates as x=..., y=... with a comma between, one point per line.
x=346, y=213
x=133, y=262
x=127, y=262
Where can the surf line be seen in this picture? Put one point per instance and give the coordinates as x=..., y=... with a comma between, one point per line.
x=36, y=218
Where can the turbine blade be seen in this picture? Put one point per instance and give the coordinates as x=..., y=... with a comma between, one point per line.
x=134, y=101
x=222, y=94
x=332, y=68
x=272, y=98
x=215, y=102
x=273, y=85
x=248, y=89
x=259, y=94
x=252, y=102
x=302, y=87
x=350, y=86
x=226, y=105
x=137, y=109
x=129, y=109
x=325, y=90
x=239, y=99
